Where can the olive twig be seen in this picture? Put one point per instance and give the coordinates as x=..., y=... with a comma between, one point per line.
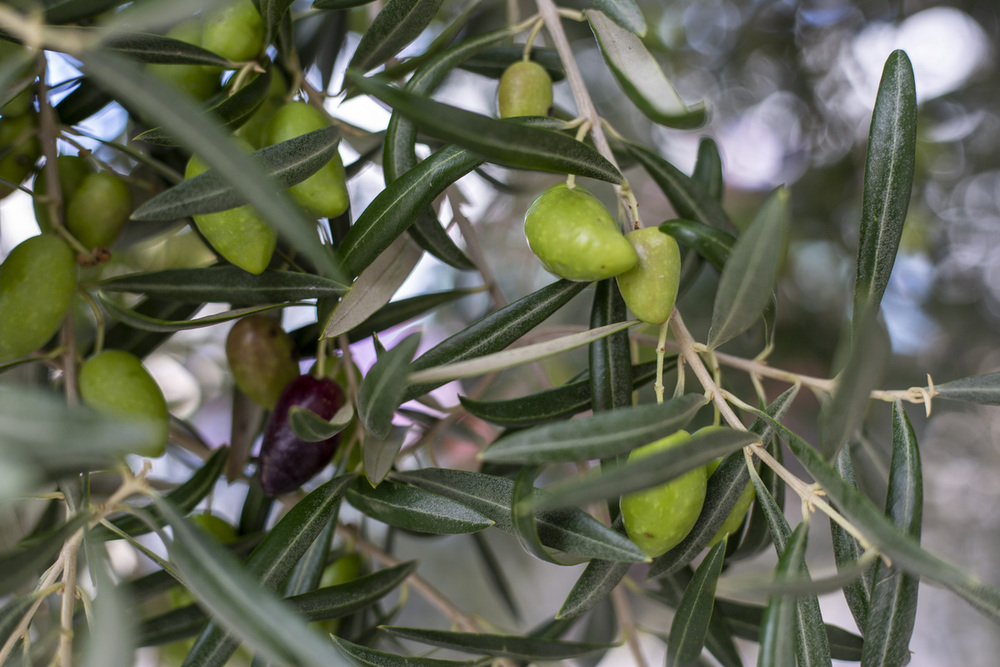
x=535, y=29
x=661, y=348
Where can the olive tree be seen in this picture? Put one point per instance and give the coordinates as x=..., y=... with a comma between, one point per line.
x=608, y=433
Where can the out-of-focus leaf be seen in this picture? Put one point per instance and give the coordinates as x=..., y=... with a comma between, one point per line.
x=112, y=627
x=380, y=453
x=713, y=244
x=523, y=516
x=892, y=152
x=398, y=24
x=28, y=558
x=496, y=575
x=273, y=12
x=493, y=62
x=225, y=284
x=847, y=551
x=572, y=531
x=510, y=646
x=751, y=272
x=550, y=404
x=148, y=48
x=518, y=356
x=86, y=100
x=414, y=509
x=777, y=632
x=311, y=427
x=12, y=613
x=149, y=98
x=689, y=628
x=367, y=657
x=640, y=76
x=497, y=330
x=503, y=142
x=381, y=391
x=140, y=342
x=745, y=621
x=708, y=168
x=982, y=389
x=137, y=320
x=626, y=13
x=603, y=434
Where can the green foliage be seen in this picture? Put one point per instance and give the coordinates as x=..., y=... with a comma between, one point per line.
x=471, y=413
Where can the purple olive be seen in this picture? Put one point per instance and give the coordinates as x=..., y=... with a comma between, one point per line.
x=286, y=461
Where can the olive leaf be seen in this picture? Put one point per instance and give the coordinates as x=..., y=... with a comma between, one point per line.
x=310, y=427
x=510, y=646
x=689, y=628
x=982, y=389
x=396, y=25
x=414, y=509
x=381, y=391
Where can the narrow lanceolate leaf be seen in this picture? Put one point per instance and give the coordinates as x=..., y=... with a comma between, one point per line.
x=894, y=598
x=599, y=578
x=551, y=404
x=640, y=76
x=745, y=621
x=892, y=146
x=901, y=548
x=757, y=537
x=185, y=122
x=982, y=389
x=270, y=563
x=686, y=195
x=148, y=48
x=777, y=632
x=140, y=342
x=112, y=628
x=497, y=330
x=626, y=13
x=273, y=12
x=503, y=142
x=847, y=551
x=398, y=24
x=689, y=628
x=137, y=320
x=231, y=112
x=367, y=657
x=752, y=270
x=719, y=640
x=225, y=284
x=604, y=434
x=427, y=231
x=507, y=646
x=711, y=243
x=499, y=361
x=611, y=357
x=572, y=531
x=414, y=509
x=708, y=168
x=310, y=427
x=381, y=392
x=842, y=416
x=286, y=164
x=373, y=289
x=29, y=557
x=659, y=468
x=523, y=516
x=492, y=62
x=234, y=598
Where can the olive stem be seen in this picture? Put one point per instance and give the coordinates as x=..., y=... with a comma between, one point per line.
x=535, y=29
x=661, y=348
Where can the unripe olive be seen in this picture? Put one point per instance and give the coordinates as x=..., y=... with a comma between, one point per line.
x=525, y=90
x=657, y=519
x=324, y=194
x=20, y=104
x=341, y=571
x=72, y=170
x=255, y=129
x=216, y=526
x=650, y=288
x=262, y=357
x=235, y=31
x=99, y=209
x=37, y=282
x=286, y=461
x=740, y=509
x=198, y=81
x=116, y=383
x=19, y=150
x=574, y=236
x=239, y=234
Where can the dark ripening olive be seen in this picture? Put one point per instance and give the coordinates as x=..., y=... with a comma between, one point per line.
x=262, y=357
x=287, y=462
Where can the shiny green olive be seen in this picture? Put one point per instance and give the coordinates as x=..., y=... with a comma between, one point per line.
x=657, y=519
x=19, y=151
x=650, y=288
x=72, y=170
x=199, y=81
x=739, y=511
x=262, y=357
x=116, y=383
x=240, y=235
x=255, y=129
x=525, y=90
x=574, y=236
x=99, y=209
x=234, y=31
x=324, y=194
x=37, y=283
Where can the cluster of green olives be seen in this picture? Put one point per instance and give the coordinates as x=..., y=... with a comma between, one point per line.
x=657, y=519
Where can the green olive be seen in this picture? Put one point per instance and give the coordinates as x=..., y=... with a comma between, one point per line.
x=37, y=283
x=740, y=509
x=216, y=526
x=262, y=357
x=198, y=81
x=19, y=151
x=650, y=288
x=72, y=170
x=324, y=194
x=254, y=130
x=657, y=519
x=20, y=103
x=345, y=569
x=115, y=383
x=235, y=31
x=99, y=209
x=240, y=235
x=525, y=90
x=574, y=236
